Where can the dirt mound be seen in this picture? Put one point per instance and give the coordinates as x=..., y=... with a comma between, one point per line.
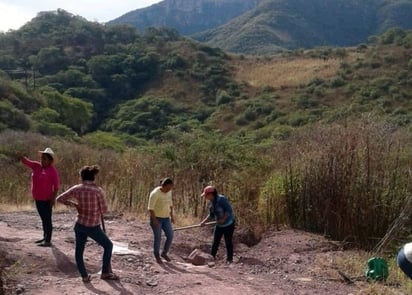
x=283, y=262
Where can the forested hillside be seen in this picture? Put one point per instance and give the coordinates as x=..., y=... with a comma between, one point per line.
x=65, y=75
x=276, y=25
x=75, y=75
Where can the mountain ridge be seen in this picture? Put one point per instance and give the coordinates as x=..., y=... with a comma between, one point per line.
x=270, y=26
x=187, y=17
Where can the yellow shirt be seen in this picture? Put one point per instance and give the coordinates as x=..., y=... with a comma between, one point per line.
x=160, y=202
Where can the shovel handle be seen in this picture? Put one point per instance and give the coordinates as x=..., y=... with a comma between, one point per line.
x=193, y=226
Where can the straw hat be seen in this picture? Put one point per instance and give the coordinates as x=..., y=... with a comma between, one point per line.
x=50, y=152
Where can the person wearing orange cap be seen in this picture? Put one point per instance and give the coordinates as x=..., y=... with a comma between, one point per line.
x=44, y=187
x=221, y=210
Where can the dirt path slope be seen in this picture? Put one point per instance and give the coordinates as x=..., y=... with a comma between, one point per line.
x=284, y=262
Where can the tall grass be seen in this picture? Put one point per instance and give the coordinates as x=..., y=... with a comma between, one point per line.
x=193, y=161
x=348, y=183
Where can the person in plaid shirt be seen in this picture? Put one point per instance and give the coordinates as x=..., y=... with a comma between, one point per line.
x=89, y=200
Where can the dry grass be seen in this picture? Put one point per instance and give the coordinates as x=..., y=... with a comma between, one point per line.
x=355, y=264
x=284, y=72
x=5, y=207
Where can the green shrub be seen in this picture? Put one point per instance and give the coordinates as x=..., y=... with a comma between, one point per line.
x=223, y=97
x=174, y=61
x=241, y=120
x=282, y=132
x=337, y=82
x=13, y=118
x=304, y=102
x=54, y=129
x=104, y=140
x=46, y=115
x=299, y=119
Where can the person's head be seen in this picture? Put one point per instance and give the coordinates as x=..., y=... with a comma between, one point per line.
x=209, y=192
x=88, y=173
x=166, y=184
x=47, y=157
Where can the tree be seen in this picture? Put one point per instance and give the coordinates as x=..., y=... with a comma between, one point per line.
x=50, y=60
x=74, y=113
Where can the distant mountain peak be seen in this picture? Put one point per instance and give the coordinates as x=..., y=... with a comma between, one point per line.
x=187, y=17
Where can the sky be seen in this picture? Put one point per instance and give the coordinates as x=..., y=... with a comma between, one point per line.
x=15, y=13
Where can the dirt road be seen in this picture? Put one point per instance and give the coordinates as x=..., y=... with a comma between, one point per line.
x=284, y=262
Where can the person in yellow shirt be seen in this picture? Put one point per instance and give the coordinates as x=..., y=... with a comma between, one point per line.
x=161, y=217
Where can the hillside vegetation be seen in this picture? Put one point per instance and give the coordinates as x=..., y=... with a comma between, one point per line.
x=307, y=139
x=276, y=25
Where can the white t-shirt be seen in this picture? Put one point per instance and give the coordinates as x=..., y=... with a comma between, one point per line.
x=408, y=251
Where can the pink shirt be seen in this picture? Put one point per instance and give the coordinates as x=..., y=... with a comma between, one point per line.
x=90, y=200
x=44, y=180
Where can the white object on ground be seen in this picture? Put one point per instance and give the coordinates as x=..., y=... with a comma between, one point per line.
x=120, y=248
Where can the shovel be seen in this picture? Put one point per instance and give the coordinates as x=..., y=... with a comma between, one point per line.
x=193, y=226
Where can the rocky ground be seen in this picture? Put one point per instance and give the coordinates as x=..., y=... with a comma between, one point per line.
x=283, y=262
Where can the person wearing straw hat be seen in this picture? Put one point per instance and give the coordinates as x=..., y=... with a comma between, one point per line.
x=90, y=202
x=221, y=210
x=44, y=188
x=160, y=209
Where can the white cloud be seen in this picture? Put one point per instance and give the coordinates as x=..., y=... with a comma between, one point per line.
x=13, y=17
x=15, y=13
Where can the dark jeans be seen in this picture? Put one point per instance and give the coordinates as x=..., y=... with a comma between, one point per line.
x=44, y=208
x=166, y=225
x=227, y=232
x=97, y=234
x=404, y=264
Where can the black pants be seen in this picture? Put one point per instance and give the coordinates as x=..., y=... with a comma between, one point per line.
x=44, y=208
x=227, y=232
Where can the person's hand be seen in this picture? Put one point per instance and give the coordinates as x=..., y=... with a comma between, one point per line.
x=18, y=156
x=155, y=223
x=172, y=219
x=72, y=204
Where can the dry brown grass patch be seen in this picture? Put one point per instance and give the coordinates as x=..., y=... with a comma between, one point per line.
x=284, y=72
x=4, y=207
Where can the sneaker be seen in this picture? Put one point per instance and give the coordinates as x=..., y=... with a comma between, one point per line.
x=164, y=255
x=158, y=260
x=44, y=244
x=87, y=279
x=229, y=261
x=109, y=276
x=39, y=241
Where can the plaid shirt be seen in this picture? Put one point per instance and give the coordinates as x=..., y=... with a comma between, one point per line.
x=90, y=200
